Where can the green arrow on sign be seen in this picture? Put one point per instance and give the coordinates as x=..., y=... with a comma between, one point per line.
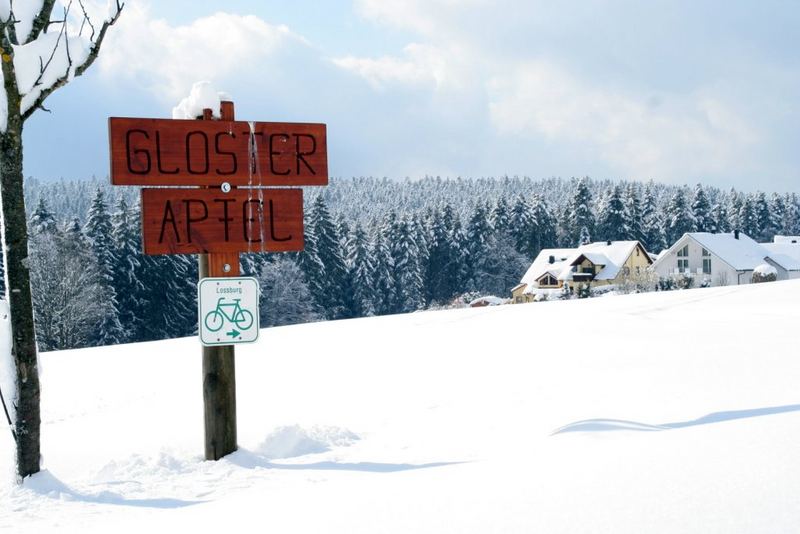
x=233, y=333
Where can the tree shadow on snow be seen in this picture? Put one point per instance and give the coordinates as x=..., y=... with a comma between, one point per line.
x=250, y=460
x=47, y=485
x=606, y=425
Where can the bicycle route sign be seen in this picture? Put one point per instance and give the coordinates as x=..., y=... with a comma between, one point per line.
x=228, y=310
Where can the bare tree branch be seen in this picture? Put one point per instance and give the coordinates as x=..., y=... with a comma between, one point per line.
x=42, y=20
x=62, y=33
x=86, y=20
x=11, y=27
x=95, y=50
x=80, y=69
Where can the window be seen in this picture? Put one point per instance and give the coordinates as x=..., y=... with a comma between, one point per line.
x=548, y=280
x=683, y=259
x=626, y=270
x=706, y=265
x=706, y=253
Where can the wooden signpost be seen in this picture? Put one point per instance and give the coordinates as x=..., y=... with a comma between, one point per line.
x=214, y=218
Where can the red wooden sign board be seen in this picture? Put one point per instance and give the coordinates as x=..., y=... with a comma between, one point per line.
x=197, y=221
x=189, y=152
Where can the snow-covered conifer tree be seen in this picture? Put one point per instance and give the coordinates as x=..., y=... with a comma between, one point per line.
x=702, y=219
x=522, y=226
x=544, y=226
x=98, y=231
x=478, y=232
x=678, y=219
x=333, y=299
x=611, y=216
x=383, y=279
x=634, y=228
x=748, y=222
x=585, y=237
x=761, y=210
x=719, y=215
x=578, y=215
x=361, y=271
x=500, y=216
x=42, y=219
x=127, y=268
x=791, y=221
x=734, y=207
x=652, y=223
x=409, y=287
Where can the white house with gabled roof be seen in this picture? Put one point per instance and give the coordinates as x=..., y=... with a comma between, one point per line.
x=721, y=259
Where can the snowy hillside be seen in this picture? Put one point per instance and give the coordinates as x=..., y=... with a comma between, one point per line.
x=662, y=412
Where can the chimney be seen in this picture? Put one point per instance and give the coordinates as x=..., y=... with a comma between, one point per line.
x=608, y=242
x=551, y=259
x=736, y=234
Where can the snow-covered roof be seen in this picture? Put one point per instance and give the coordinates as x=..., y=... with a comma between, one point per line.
x=612, y=255
x=743, y=254
x=542, y=265
x=784, y=253
x=789, y=239
x=489, y=300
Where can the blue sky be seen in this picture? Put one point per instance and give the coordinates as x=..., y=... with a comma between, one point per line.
x=680, y=92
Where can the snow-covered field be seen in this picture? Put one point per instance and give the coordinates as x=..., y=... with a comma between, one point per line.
x=665, y=412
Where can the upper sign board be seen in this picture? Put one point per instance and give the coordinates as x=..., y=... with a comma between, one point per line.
x=191, y=152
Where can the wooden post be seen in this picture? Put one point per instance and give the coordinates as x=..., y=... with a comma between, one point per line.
x=219, y=370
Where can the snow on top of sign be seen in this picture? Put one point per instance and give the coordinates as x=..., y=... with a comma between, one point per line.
x=202, y=96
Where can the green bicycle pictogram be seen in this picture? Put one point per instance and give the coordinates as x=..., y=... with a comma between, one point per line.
x=232, y=311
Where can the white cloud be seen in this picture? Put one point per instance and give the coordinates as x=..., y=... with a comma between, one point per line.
x=421, y=64
x=667, y=137
x=168, y=59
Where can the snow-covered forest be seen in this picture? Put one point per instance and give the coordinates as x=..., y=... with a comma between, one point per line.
x=373, y=247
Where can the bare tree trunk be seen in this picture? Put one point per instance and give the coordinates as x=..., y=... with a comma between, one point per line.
x=18, y=290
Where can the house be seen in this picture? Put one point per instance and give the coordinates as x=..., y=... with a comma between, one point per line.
x=721, y=259
x=785, y=249
x=594, y=264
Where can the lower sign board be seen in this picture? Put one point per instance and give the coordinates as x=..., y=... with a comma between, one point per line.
x=227, y=310
x=198, y=221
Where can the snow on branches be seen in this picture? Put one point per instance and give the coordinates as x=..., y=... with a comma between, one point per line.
x=45, y=44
